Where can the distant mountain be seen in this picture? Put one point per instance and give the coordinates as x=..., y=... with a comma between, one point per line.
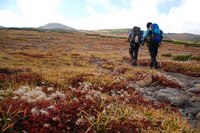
x=57, y=26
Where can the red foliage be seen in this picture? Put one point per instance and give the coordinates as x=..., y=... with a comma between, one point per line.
x=29, y=78
x=61, y=119
x=80, y=78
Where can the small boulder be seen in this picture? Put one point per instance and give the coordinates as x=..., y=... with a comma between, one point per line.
x=195, y=90
x=198, y=117
x=173, y=96
x=195, y=99
x=192, y=110
x=1, y=98
x=145, y=82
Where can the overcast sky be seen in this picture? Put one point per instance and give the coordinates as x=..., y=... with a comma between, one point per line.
x=175, y=16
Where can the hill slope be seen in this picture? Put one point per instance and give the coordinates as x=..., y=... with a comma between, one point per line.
x=56, y=26
x=2, y=27
x=168, y=36
x=183, y=37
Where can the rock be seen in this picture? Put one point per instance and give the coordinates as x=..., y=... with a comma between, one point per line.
x=1, y=98
x=172, y=96
x=195, y=98
x=195, y=90
x=192, y=110
x=145, y=82
x=2, y=92
x=197, y=86
x=176, y=81
x=131, y=84
x=198, y=117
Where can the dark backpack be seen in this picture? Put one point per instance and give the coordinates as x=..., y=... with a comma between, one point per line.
x=155, y=34
x=136, y=36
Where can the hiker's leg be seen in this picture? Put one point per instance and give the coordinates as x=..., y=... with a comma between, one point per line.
x=155, y=52
x=136, y=52
x=131, y=52
x=150, y=47
x=153, y=49
x=151, y=64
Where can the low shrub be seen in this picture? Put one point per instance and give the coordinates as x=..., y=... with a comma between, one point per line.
x=167, y=55
x=182, y=57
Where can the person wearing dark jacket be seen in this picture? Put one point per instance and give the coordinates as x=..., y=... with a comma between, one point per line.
x=134, y=38
x=152, y=46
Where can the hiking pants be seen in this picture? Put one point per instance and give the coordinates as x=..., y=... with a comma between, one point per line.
x=153, y=50
x=133, y=51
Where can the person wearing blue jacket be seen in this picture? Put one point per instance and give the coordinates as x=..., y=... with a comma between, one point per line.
x=152, y=46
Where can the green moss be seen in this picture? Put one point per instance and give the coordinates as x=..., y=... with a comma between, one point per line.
x=182, y=57
x=167, y=55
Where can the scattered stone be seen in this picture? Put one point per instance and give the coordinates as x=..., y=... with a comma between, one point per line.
x=192, y=110
x=173, y=96
x=195, y=104
x=145, y=82
x=15, y=97
x=2, y=92
x=176, y=81
x=198, y=117
x=50, y=89
x=131, y=84
x=195, y=98
x=1, y=98
x=195, y=90
x=38, y=88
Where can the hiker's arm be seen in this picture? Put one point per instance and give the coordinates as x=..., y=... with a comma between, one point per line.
x=145, y=34
x=129, y=37
x=143, y=41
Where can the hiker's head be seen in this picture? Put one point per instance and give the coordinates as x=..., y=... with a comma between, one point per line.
x=148, y=25
x=133, y=28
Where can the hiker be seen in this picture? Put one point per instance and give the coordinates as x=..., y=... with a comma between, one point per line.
x=153, y=36
x=134, y=38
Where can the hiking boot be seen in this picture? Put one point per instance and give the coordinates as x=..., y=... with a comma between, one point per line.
x=151, y=65
x=156, y=67
x=134, y=63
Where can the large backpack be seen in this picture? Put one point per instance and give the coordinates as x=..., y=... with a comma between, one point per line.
x=155, y=34
x=136, y=36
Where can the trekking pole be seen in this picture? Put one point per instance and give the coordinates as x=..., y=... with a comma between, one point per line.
x=159, y=56
x=141, y=50
x=140, y=54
